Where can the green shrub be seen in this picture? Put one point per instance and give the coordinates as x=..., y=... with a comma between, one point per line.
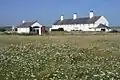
x=59, y=29
x=2, y=30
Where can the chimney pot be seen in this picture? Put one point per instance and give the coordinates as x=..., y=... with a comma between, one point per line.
x=91, y=14
x=62, y=17
x=75, y=16
x=23, y=21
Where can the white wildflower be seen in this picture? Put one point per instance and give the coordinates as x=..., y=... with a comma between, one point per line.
x=32, y=75
x=96, y=75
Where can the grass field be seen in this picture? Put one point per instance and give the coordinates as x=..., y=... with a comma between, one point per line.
x=83, y=57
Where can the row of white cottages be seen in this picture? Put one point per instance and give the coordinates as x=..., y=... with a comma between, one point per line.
x=90, y=23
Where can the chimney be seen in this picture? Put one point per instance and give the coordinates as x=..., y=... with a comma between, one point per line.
x=75, y=16
x=23, y=21
x=91, y=14
x=62, y=17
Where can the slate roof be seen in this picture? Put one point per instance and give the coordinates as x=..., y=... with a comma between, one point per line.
x=85, y=20
x=102, y=26
x=26, y=24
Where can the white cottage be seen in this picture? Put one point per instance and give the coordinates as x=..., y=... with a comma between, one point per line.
x=27, y=27
x=91, y=23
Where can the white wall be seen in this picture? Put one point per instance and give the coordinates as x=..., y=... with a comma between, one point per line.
x=102, y=20
x=83, y=27
x=36, y=24
x=55, y=26
x=23, y=30
x=99, y=29
x=87, y=27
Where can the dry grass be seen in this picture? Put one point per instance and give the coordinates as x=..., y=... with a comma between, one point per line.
x=81, y=41
x=83, y=57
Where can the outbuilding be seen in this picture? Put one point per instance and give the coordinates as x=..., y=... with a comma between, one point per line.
x=33, y=26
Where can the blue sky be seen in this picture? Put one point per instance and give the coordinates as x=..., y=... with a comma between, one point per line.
x=12, y=12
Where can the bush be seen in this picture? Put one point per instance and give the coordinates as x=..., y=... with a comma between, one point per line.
x=54, y=29
x=59, y=29
x=2, y=30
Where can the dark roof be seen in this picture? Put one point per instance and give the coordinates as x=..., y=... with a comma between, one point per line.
x=26, y=24
x=102, y=26
x=85, y=20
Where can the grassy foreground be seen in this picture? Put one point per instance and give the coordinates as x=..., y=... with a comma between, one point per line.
x=92, y=57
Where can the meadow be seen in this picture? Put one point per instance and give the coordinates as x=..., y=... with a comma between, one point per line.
x=70, y=57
